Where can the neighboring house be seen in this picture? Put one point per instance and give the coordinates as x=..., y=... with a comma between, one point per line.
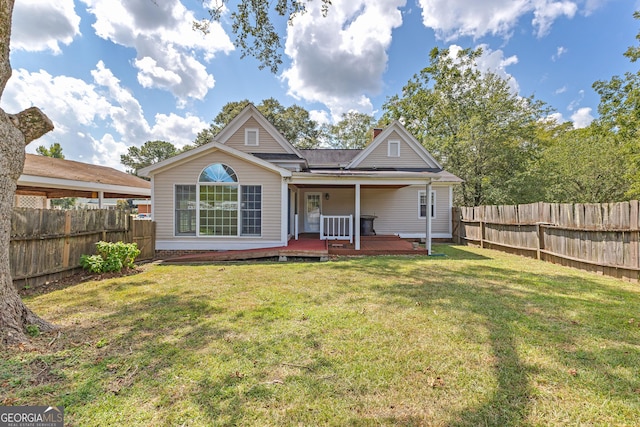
x=250, y=188
x=44, y=178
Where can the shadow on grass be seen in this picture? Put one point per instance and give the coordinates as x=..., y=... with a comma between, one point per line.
x=551, y=311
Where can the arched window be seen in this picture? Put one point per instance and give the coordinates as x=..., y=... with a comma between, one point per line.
x=218, y=173
x=218, y=196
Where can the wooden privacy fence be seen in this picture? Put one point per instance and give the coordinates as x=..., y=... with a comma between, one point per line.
x=45, y=244
x=596, y=237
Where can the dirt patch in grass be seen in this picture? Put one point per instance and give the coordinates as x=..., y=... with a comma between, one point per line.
x=76, y=278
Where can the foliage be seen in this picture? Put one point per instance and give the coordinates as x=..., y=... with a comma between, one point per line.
x=253, y=24
x=354, y=130
x=584, y=166
x=54, y=150
x=33, y=330
x=619, y=110
x=474, y=124
x=485, y=339
x=150, y=153
x=110, y=257
x=293, y=122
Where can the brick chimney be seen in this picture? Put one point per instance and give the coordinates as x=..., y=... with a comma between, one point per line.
x=376, y=132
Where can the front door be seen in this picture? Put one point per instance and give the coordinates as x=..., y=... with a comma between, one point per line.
x=312, y=210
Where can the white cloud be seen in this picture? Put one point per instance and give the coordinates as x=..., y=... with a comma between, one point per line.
x=170, y=54
x=39, y=25
x=94, y=122
x=582, y=117
x=559, y=52
x=576, y=102
x=558, y=91
x=492, y=61
x=556, y=117
x=320, y=116
x=339, y=59
x=452, y=19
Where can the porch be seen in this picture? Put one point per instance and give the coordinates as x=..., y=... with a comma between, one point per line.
x=310, y=246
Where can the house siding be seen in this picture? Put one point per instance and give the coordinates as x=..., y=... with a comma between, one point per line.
x=188, y=173
x=397, y=210
x=379, y=156
x=266, y=142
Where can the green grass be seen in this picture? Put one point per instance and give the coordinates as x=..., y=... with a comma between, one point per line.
x=476, y=338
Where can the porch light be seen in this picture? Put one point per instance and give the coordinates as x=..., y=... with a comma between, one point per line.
x=326, y=196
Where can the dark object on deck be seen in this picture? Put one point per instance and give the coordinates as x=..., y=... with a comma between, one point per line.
x=366, y=225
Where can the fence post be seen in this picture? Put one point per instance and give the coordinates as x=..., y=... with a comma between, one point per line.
x=66, y=250
x=481, y=234
x=539, y=240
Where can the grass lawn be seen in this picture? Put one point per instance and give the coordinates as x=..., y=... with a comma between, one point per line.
x=476, y=338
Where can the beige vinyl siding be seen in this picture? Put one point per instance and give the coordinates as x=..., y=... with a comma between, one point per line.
x=266, y=142
x=397, y=210
x=379, y=156
x=188, y=173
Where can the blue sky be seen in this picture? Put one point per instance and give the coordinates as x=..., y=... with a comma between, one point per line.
x=116, y=73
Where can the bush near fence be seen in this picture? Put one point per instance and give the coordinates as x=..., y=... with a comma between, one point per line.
x=46, y=244
x=597, y=237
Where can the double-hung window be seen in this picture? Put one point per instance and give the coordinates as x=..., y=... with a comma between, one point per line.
x=393, y=149
x=422, y=204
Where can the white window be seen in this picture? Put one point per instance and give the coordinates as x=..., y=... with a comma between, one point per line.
x=251, y=137
x=422, y=204
x=393, y=149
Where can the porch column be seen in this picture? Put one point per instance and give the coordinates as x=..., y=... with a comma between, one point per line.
x=357, y=218
x=427, y=240
x=100, y=199
x=284, y=213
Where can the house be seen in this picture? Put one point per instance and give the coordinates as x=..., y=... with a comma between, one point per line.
x=250, y=188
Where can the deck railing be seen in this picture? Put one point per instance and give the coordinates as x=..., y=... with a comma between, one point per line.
x=336, y=227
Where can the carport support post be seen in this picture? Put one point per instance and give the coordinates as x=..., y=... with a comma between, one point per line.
x=100, y=199
x=427, y=240
x=357, y=218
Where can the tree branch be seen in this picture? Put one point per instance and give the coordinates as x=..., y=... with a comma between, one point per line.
x=32, y=123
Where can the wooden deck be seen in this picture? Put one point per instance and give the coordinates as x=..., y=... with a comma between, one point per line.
x=309, y=246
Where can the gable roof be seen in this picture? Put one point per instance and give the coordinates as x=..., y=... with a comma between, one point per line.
x=248, y=112
x=205, y=149
x=406, y=136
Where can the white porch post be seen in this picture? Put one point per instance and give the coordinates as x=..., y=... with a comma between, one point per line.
x=100, y=199
x=357, y=217
x=284, y=213
x=427, y=240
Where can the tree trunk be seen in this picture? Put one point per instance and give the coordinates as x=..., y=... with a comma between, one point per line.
x=16, y=131
x=14, y=315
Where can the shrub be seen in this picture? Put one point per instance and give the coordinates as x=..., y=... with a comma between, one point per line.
x=110, y=257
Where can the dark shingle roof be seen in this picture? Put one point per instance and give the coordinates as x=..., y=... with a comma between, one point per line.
x=329, y=157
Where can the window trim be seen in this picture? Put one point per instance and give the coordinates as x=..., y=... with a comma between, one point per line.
x=390, y=143
x=246, y=137
x=421, y=193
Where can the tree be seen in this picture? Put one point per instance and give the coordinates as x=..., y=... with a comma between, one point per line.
x=619, y=110
x=16, y=131
x=150, y=153
x=293, y=122
x=474, y=125
x=54, y=150
x=354, y=130
x=584, y=166
x=252, y=23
